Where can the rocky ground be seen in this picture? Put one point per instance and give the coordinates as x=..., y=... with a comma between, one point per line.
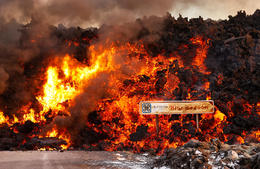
x=212, y=155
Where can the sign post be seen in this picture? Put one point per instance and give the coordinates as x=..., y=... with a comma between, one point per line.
x=197, y=121
x=176, y=107
x=157, y=124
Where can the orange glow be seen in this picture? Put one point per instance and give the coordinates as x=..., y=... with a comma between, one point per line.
x=219, y=116
x=15, y=119
x=55, y=92
x=52, y=133
x=30, y=116
x=255, y=134
x=206, y=85
x=58, y=134
x=3, y=119
x=201, y=54
x=258, y=108
x=240, y=140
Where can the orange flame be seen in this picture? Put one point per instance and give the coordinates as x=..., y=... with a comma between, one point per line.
x=3, y=119
x=201, y=53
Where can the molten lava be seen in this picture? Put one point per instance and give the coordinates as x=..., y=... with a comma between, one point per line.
x=134, y=76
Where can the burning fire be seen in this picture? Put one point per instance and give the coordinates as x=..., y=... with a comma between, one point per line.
x=3, y=119
x=135, y=78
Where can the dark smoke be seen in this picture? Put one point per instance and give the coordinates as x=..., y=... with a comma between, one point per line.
x=16, y=55
x=30, y=20
x=98, y=12
x=81, y=12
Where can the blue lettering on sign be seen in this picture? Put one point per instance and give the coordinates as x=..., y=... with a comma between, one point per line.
x=146, y=108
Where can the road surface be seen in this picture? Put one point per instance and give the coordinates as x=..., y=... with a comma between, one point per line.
x=72, y=160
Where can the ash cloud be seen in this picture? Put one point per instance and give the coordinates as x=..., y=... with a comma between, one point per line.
x=15, y=57
x=19, y=60
x=98, y=12
x=80, y=12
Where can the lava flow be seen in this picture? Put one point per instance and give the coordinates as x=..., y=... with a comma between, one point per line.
x=89, y=99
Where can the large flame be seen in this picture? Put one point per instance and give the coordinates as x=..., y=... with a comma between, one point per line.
x=3, y=119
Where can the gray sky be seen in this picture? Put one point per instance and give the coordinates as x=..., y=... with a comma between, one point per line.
x=215, y=9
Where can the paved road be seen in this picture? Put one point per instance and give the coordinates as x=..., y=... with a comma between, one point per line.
x=71, y=160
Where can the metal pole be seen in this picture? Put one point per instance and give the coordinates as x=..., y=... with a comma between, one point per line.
x=157, y=124
x=197, y=121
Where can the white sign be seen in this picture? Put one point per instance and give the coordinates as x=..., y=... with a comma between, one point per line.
x=176, y=107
